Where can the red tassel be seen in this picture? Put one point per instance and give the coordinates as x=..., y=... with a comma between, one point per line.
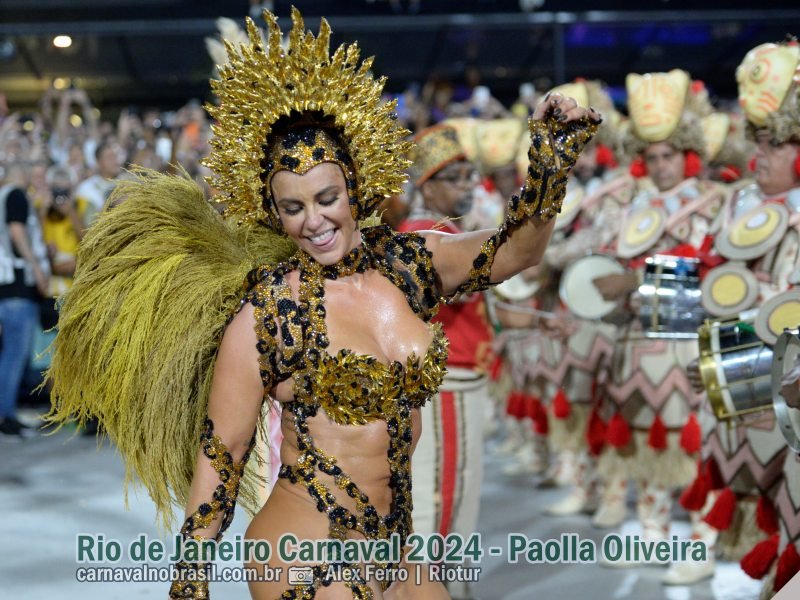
x=638, y=169
x=657, y=438
x=540, y=423
x=618, y=433
x=694, y=497
x=596, y=434
x=497, y=367
x=532, y=406
x=752, y=164
x=713, y=476
x=691, y=435
x=693, y=165
x=758, y=561
x=605, y=157
x=720, y=516
x=513, y=405
x=788, y=566
x=766, y=517
x=561, y=406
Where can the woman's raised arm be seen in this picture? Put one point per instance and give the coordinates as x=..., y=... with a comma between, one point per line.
x=467, y=262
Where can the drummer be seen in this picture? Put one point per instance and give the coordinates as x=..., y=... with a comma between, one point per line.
x=759, y=231
x=450, y=450
x=653, y=435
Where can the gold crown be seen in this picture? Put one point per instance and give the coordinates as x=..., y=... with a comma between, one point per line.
x=261, y=85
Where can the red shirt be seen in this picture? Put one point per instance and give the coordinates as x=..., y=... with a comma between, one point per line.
x=466, y=322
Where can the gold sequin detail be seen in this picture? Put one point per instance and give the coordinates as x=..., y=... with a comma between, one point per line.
x=351, y=389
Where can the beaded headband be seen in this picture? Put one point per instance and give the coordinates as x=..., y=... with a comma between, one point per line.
x=300, y=150
x=264, y=83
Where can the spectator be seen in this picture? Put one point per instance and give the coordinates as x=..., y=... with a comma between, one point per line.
x=23, y=272
x=62, y=229
x=95, y=190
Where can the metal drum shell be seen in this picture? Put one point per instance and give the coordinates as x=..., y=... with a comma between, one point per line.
x=670, y=302
x=735, y=366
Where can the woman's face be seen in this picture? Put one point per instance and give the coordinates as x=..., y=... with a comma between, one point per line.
x=315, y=211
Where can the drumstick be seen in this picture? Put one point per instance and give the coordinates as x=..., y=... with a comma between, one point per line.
x=532, y=311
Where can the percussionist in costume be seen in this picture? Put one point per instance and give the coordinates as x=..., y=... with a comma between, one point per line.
x=653, y=434
x=747, y=477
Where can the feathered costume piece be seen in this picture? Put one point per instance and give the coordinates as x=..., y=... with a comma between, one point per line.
x=158, y=277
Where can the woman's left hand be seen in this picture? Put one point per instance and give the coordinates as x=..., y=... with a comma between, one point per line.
x=564, y=109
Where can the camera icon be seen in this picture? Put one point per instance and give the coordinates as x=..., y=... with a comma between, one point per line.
x=301, y=576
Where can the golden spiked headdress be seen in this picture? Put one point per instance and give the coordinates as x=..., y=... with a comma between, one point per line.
x=306, y=85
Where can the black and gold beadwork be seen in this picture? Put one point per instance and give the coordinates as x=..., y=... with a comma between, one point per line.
x=555, y=147
x=300, y=150
x=223, y=502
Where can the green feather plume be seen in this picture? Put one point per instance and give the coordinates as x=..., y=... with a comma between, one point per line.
x=159, y=276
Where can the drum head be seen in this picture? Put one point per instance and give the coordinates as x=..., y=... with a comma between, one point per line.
x=572, y=205
x=787, y=349
x=779, y=313
x=729, y=289
x=754, y=233
x=517, y=288
x=640, y=231
x=579, y=293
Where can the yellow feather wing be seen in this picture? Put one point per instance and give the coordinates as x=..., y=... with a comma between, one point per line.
x=159, y=275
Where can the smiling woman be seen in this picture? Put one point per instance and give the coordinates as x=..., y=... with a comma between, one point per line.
x=336, y=332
